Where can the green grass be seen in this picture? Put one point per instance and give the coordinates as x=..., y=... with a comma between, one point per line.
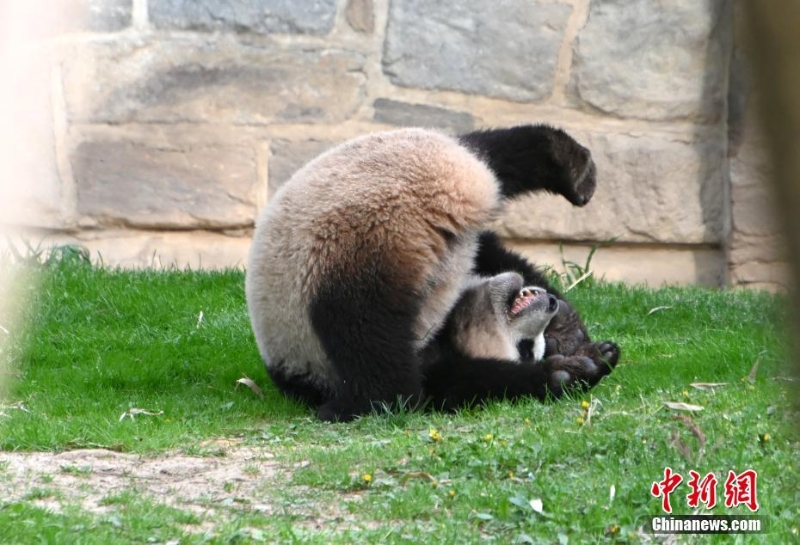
x=101, y=342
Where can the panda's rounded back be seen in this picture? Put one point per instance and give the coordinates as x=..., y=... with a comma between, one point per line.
x=404, y=205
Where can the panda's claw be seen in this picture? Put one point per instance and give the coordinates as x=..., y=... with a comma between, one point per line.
x=583, y=370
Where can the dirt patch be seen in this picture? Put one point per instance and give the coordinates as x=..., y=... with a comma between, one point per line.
x=90, y=479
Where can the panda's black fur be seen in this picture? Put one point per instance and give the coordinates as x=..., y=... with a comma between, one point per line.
x=359, y=259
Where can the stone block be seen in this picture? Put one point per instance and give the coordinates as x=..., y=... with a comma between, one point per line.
x=255, y=16
x=403, y=114
x=475, y=46
x=103, y=15
x=650, y=188
x=30, y=184
x=44, y=19
x=360, y=15
x=288, y=157
x=126, y=182
x=212, y=80
x=654, y=60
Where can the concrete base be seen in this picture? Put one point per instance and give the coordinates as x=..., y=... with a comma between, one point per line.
x=631, y=263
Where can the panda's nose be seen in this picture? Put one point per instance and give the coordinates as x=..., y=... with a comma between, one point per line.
x=552, y=303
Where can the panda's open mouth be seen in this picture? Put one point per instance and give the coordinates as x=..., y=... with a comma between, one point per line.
x=526, y=297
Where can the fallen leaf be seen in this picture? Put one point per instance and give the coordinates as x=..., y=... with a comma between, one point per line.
x=417, y=475
x=658, y=309
x=612, y=492
x=536, y=505
x=132, y=413
x=751, y=378
x=252, y=385
x=680, y=406
x=707, y=385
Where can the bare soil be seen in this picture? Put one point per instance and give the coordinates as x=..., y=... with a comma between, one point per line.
x=232, y=475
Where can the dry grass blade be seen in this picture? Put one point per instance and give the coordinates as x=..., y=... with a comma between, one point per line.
x=681, y=447
x=19, y=406
x=417, y=475
x=133, y=413
x=680, y=406
x=751, y=377
x=707, y=385
x=658, y=309
x=583, y=277
x=696, y=431
x=250, y=383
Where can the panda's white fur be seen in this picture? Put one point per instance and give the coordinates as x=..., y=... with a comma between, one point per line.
x=393, y=193
x=483, y=324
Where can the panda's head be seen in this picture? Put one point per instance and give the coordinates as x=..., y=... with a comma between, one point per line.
x=494, y=314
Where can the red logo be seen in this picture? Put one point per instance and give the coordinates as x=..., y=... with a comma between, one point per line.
x=740, y=489
x=664, y=488
x=703, y=491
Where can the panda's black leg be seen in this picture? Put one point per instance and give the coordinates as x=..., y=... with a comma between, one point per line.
x=566, y=331
x=367, y=333
x=493, y=258
x=536, y=157
x=457, y=381
x=299, y=387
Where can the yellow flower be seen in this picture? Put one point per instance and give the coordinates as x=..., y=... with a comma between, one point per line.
x=527, y=420
x=510, y=474
x=434, y=435
x=584, y=405
x=452, y=493
x=579, y=420
x=686, y=393
x=765, y=438
x=488, y=437
x=367, y=478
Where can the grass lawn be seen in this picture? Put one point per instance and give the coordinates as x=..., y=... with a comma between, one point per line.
x=145, y=365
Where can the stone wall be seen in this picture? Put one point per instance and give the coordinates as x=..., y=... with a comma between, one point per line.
x=153, y=131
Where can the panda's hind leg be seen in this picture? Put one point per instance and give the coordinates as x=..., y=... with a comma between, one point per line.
x=366, y=331
x=300, y=387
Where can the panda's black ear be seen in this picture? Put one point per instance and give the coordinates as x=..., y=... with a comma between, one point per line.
x=534, y=158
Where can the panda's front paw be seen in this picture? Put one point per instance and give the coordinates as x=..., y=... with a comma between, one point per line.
x=585, y=182
x=583, y=370
x=566, y=333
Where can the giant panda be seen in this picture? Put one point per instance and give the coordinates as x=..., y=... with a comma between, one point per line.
x=359, y=258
